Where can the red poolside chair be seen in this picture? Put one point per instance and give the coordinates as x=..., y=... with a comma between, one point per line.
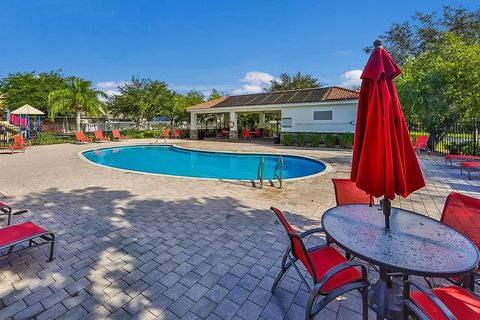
x=176, y=134
x=224, y=131
x=246, y=134
x=331, y=273
x=7, y=210
x=421, y=144
x=346, y=192
x=469, y=167
x=257, y=133
x=459, y=157
x=452, y=302
x=80, y=137
x=99, y=136
x=116, y=135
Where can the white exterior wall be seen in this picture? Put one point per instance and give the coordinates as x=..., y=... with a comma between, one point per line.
x=344, y=118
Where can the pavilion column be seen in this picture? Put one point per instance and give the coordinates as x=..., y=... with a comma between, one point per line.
x=261, y=123
x=233, y=133
x=193, y=126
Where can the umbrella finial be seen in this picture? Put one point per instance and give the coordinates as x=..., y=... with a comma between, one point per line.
x=378, y=44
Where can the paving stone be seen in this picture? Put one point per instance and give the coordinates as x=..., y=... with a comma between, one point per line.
x=53, y=312
x=181, y=306
x=250, y=310
x=226, y=309
x=204, y=307
x=30, y=312
x=196, y=292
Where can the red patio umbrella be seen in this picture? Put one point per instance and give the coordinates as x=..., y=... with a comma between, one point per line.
x=384, y=162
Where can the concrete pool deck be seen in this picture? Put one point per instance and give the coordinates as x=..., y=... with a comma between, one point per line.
x=145, y=246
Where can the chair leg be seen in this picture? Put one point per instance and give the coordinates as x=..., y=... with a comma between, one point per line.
x=52, y=248
x=283, y=270
x=364, y=292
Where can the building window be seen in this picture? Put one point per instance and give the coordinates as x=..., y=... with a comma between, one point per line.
x=286, y=122
x=323, y=115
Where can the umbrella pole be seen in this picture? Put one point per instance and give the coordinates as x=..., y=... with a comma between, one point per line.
x=387, y=210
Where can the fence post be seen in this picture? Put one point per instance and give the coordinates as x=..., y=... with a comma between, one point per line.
x=475, y=136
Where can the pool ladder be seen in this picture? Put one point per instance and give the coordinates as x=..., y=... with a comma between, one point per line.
x=277, y=173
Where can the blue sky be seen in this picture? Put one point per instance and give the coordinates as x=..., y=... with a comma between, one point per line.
x=234, y=46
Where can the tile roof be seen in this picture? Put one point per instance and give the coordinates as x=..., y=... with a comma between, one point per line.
x=281, y=97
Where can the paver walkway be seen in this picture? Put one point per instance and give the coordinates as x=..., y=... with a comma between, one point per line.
x=145, y=247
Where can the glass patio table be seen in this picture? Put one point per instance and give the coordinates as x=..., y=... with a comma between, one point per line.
x=414, y=245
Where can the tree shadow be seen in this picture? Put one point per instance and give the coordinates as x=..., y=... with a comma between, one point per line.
x=119, y=254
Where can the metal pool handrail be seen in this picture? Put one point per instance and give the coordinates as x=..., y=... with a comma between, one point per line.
x=277, y=176
x=261, y=171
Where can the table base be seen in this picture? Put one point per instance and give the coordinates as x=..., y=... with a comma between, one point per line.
x=393, y=298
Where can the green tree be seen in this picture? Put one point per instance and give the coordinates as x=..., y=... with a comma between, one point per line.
x=215, y=94
x=441, y=84
x=296, y=81
x=18, y=89
x=409, y=39
x=77, y=97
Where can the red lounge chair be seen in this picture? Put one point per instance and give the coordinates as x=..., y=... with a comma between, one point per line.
x=116, y=135
x=26, y=232
x=13, y=148
x=346, y=192
x=421, y=144
x=99, y=136
x=257, y=133
x=224, y=131
x=246, y=134
x=469, y=166
x=462, y=213
x=7, y=210
x=19, y=142
x=452, y=302
x=80, y=137
x=459, y=157
x=176, y=134
x=332, y=274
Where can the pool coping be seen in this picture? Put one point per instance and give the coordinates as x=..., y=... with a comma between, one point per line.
x=328, y=167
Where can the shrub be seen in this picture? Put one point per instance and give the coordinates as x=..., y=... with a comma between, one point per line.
x=330, y=140
x=287, y=139
x=301, y=139
x=314, y=140
x=46, y=138
x=346, y=140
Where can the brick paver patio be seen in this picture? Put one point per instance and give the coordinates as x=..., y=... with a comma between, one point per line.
x=155, y=247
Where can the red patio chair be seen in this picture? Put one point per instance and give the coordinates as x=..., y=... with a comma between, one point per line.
x=346, y=192
x=257, y=133
x=224, y=131
x=176, y=134
x=116, y=135
x=421, y=144
x=80, y=137
x=452, y=302
x=246, y=134
x=460, y=157
x=469, y=167
x=7, y=210
x=331, y=273
x=15, y=235
x=99, y=136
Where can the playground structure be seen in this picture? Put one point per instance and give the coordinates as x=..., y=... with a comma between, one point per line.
x=25, y=122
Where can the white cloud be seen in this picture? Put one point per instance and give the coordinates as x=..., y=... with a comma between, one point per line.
x=254, y=81
x=351, y=78
x=109, y=87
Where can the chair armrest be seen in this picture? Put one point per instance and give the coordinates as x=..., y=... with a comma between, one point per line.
x=4, y=209
x=341, y=267
x=311, y=231
x=438, y=303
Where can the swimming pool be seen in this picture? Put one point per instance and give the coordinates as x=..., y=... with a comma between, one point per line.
x=171, y=160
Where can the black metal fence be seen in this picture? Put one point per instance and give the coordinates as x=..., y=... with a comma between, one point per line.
x=461, y=137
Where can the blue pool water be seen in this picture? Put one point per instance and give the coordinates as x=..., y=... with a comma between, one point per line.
x=189, y=163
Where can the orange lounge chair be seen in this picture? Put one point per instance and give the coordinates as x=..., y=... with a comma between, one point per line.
x=20, y=142
x=99, y=136
x=176, y=134
x=116, y=135
x=165, y=134
x=80, y=137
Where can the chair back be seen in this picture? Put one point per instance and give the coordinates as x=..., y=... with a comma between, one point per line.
x=165, y=133
x=246, y=133
x=18, y=140
x=79, y=135
x=297, y=246
x=98, y=134
x=462, y=213
x=421, y=141
x=177, y=133
x=116, y=133
x=346, y=192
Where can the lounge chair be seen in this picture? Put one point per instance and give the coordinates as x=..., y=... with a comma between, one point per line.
x=224, y=132
x=13, y=148
x=81, y=138
x=451, y=302
x=116, y=135
x=257, y=133
x=246, y=134
x=346, y=192
x=22, y=143
x=99, y=136
x=331, y=273
x=469, y=167
x=7, y=210
x=421, y=144
x=176, y=134
x=165, y=134
x=459, y=158
x=26, y=232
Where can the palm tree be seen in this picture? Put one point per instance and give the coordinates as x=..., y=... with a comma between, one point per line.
x=78, y=97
